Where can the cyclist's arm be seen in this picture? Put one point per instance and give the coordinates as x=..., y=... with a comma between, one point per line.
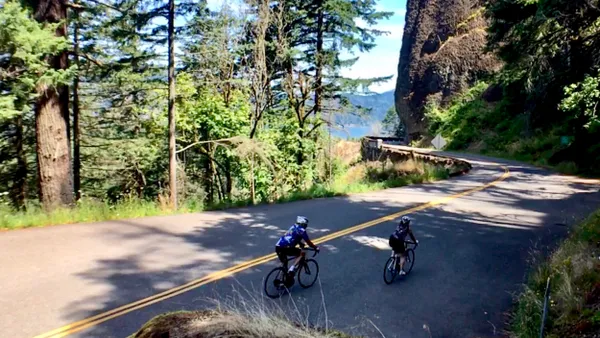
x=412, y=236
x=307, y=240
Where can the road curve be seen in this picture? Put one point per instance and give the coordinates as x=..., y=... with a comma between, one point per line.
x=473, y=256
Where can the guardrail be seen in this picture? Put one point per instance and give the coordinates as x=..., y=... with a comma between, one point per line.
x=374, y=149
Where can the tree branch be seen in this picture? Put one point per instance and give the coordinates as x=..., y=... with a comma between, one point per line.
x=107, y=5
x=87, y=57
x=204, y=142
x=75, y=6
x=314, y=128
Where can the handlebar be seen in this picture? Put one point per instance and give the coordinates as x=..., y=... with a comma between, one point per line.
x=411, y=242
x=311, y=249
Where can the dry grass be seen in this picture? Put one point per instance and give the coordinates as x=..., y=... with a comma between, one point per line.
x=247, y=315
x=213, y=324
x=348, y=152
x=574, y=272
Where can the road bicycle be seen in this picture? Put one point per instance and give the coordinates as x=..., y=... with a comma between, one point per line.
x=392, y=266
x=281, y=281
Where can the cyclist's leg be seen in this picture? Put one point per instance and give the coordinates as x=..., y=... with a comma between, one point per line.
x=281, y=254
x=402, y=251
x=299, y=255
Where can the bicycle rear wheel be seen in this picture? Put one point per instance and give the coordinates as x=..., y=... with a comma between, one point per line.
x=390, y=271
x=308, y=273
x=275, y=283
x=409, y=261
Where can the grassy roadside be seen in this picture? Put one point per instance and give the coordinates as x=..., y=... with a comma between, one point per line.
x=244, y=313
x=574, y=271
x=214, y=324
x=363, y=177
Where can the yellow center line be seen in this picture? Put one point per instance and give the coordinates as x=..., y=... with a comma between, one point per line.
x=119, y=311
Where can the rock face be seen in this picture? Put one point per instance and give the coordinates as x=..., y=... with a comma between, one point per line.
x=442, y=54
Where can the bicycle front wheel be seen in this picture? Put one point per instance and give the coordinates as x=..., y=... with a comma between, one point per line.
x=409, y=261
x=308, y=273
x=275, y=283
x=390, y=270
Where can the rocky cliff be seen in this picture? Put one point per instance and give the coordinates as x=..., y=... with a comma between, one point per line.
x=442, y=54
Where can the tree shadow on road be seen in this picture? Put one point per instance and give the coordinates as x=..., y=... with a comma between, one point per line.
x=473, y=255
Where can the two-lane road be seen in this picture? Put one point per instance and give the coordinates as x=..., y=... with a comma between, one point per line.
x=476, y=234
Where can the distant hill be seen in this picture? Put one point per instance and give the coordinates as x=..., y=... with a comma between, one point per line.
x=379, y=103
x=357, y=125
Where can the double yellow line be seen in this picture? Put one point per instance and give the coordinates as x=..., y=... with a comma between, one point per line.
x=105, y=316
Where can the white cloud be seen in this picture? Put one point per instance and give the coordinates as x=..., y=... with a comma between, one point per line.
x=395, y=31
x=371, y=65
x=235, y=5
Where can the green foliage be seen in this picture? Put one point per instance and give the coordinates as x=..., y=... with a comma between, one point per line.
x=391, y=123
x=465, y=120
x=87, y=210
x=371, y=177
x=25, y=45
x=581, y=100
x=231, y=148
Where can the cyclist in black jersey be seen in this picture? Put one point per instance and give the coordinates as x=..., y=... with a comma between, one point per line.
x=398, y=238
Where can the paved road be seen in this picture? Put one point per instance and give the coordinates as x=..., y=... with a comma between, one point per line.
x=473, y=256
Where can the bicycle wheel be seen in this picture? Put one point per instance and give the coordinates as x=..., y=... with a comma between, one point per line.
x=390, y=271
x=275, y=283
x=308, y=273
x=409, y=261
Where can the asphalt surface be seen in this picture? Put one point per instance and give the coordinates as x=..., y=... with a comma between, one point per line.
x=473, y=255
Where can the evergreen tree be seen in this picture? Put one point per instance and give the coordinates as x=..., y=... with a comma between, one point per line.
x=30, y=73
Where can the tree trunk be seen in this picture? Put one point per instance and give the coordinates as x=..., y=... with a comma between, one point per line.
x=319, y=60
x=228, y=179
x=252, y=188
x=208, y=174
x=300, y=151
x=76, y=134
x=220, y=190
x=20, y=184
x=52, y=121
x=172, y=155
x=214, y=173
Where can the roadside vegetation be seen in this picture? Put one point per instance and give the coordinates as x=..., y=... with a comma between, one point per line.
x=216, y=324
x=574, y=272
x=248, y=317
x=542, y=107
x=96, y=123
x=351, y=176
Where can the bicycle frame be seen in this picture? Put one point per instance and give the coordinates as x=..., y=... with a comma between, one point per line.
x=414, y=245
x=286, y=266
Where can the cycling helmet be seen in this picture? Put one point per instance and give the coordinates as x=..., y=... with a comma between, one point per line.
x=302, y=221
x=405, y=220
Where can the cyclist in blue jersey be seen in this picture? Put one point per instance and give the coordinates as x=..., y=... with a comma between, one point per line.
x=397, y=239
x=286, y=245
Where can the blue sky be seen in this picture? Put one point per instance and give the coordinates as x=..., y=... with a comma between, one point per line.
x=381, y=60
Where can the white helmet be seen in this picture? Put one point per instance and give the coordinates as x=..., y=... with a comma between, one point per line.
x=302, y=221
x=405, y=220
